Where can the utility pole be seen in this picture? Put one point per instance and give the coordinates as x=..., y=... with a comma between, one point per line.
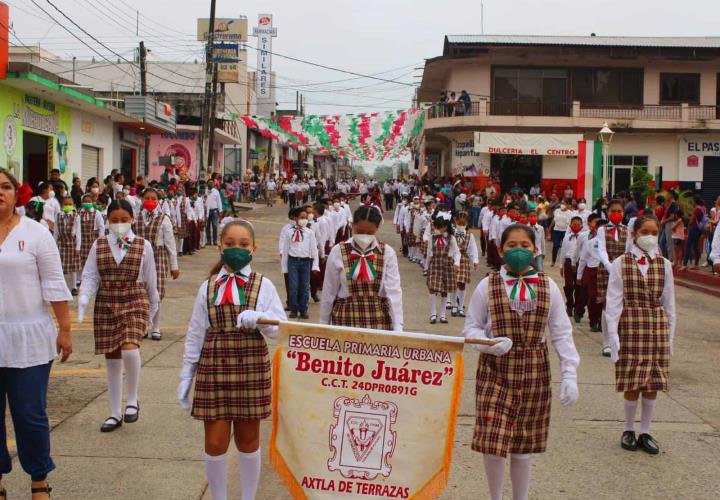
x=211, y=125
x=143, y=69
x=207, y=111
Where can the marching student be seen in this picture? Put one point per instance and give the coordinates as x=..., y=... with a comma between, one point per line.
x=398, y=220
x=568, y=269
x=424, y=228
x=640, y=314
x=68, y=238
x=285, y=233
x=157, y=229
x=224, y=320
x=92, y=226
x=362, y=279
x=469, y=261
x=120, y=272
x=588, y=263
x=539, y=231
x=299, y=261
x=518, y=307
x=492, y=251
x=612, y=240
x=442, y=262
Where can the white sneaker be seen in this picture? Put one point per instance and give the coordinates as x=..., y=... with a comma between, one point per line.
x=606, y=351
x=156, y=336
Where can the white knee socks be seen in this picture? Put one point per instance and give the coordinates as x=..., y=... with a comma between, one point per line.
x=115, y=384
x=75, y=276
x=216, y=472
x=495, y=473
x=131, y=361
x=461, y=298
x=630, y=409
x=249, y=474
x=520, y=475
x=156, y=321
x=433, y=305
x=648, y=411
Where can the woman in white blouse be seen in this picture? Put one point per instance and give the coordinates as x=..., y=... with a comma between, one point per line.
x=29, y=341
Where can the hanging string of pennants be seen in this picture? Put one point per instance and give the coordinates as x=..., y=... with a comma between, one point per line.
x=365, y=136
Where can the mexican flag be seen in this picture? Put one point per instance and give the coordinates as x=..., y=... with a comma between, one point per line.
x=589, y=170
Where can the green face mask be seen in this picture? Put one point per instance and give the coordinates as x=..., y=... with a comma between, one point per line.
x=518, y=259
x=236, y=258
x=68, y=209
x=88, y=206
x=98, y=207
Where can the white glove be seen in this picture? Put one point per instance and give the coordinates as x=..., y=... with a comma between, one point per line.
x=502, y=346
x=248, y=319
x=614, y=348
x=568, y=391
x=83, y=302
x=186, y=377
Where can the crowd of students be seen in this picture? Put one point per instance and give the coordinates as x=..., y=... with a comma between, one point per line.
x=615, y=271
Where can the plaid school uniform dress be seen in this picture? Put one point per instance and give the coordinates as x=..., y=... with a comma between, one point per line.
x=88, y=233
x=181, y=231
x=66, y=243
x=162, y=256
x=644, y=357
x=121, y=304
x=614, y=250
x=233, y=378
x=441, y=273
x=463, y=275
x=513, y=391
x=363, y=308
x=411, y=240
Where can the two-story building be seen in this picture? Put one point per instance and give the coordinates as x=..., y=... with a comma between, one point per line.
x=537, y=104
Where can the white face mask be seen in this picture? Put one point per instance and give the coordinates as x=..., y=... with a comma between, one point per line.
x=95, y=190
x=563, y=207
x=302, y=222
x=460, y=229
x=336, y=205
x=363, y=241
x=126, y=191
x=120, y=230
x=311, y=217
x=581, y=206
x=51, y=194
x=647, y=242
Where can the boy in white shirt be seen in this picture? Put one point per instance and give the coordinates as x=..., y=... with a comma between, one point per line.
x=299, y=260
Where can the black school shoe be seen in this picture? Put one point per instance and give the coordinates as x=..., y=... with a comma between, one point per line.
x=111, y=424
x=647, y=444
x=628, y=441
x=577, y=317
x=293, y=315
x=131, y=418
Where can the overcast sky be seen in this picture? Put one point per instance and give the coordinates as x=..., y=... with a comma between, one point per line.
x=391, y=37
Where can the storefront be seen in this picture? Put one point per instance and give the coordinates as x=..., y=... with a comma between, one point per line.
x=36, y=136
x=699, y=165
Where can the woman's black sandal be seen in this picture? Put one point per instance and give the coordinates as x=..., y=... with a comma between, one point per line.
x=44, y=489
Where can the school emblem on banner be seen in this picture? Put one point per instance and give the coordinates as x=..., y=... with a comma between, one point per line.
x=362, y=438
x=364, y=413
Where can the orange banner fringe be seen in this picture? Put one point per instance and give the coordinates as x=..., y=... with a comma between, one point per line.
x=432, y=489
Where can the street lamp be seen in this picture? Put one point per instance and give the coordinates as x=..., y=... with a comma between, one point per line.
x=606, y=136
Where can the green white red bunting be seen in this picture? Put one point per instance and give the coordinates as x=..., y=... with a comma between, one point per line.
x=365, y=136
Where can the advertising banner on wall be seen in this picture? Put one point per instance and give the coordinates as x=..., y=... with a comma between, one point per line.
x=527, y=144
x=226, y=30
x=466, y=161
x=4, y=38
x=227, y=57
x=693, y=150
x=364, y=414
x=264, y=32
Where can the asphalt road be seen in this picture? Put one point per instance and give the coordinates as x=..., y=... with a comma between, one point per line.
x=161, y=456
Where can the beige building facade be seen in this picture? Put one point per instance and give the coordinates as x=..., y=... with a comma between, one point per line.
x=659, y=95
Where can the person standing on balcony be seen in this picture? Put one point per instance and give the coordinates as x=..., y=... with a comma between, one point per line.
x=466, y=102
x=451, y=102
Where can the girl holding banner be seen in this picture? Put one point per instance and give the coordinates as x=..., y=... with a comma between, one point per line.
x=517, y=306
x=362, y=279
x=226, y=349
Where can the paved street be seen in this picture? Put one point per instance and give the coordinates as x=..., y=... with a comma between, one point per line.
x=160, y=457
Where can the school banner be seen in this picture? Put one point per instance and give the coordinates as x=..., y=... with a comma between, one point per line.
x=362, y=413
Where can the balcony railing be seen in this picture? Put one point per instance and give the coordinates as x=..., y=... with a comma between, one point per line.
x=667, y=112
